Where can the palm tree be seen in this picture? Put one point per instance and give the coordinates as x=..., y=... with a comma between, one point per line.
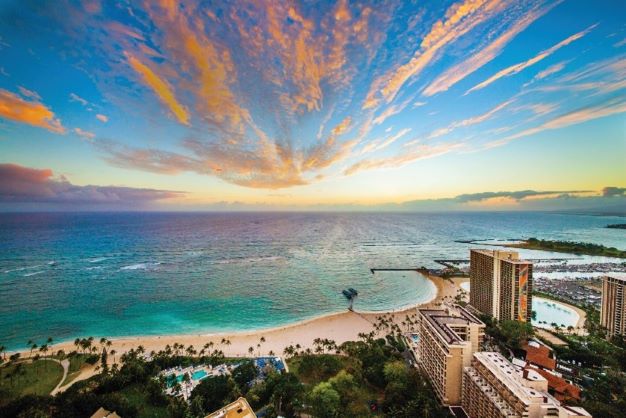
x=3, y=350
x=113, y=353
x=251, y=350
x=32, y=347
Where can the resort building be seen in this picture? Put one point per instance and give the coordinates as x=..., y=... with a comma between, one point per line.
x=495, y=388
x=501, y=284
x=613, y=309
x=103, y=413
x=238, y=409
x=447, y=339
x=539, y=354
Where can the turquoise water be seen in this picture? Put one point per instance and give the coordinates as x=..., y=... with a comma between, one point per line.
x=551, y=311
x=120, y=274
x=197, y=375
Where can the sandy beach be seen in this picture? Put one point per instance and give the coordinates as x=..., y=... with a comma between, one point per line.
x=340, y=327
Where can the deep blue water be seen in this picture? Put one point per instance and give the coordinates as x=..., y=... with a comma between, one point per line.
x=116, y=274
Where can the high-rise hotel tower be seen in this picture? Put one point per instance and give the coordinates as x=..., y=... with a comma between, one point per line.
x=613, y=310
x=501, y=284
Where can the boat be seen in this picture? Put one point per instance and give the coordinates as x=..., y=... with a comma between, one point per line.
x=347, y=294
x=353, y=291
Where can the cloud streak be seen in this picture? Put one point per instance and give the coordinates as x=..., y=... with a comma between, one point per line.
x=514, y=69
x=459, y=19
x=458, y=72
x=160, y=87
x=30, y=112
x=574, y=117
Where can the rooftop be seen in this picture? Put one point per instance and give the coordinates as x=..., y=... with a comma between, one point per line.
x=508, y=256
x=442, y=320
x=563, y=390
x=509, y=376
x=238, y=409
x=539, y=355
x=103, y=413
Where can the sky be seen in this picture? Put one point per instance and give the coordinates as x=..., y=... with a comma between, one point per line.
x=193, y=105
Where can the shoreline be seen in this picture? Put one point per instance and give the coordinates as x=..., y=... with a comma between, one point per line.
x=338, y=326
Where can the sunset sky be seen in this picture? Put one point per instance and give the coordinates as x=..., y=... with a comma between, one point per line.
x=200, y=105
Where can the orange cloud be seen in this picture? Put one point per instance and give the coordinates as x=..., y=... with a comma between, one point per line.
x=514, y=69
x=102, y=118
x=458, y=72
x=160, y=87
x=204, y=68
x=34, y=113
x=459, y=19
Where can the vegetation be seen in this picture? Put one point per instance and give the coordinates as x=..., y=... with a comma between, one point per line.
x=598, y=365
x=601, y=367
x=77, y=361
x=38, y=377
x=570, y=247
x=356, y=379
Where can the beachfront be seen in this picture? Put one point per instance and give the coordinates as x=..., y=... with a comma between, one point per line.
x=340, y=327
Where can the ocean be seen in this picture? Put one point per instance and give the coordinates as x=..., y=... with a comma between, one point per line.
x=68, y=275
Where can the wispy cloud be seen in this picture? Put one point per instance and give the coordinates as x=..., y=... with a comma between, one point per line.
x=102, y=118
x=84, y=134
x=30, y=112
x=470, y=121
x=417, y=152
x=381, y=144
x=581, y=115
x=76, y=98
x=458, y=72
x=29, y=93
x=161, y=88
x=514, y=69
x=459, y=19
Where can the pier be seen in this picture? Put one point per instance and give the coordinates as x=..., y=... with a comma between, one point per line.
x=418, y=269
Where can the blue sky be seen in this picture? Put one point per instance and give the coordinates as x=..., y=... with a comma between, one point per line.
x=301, y=105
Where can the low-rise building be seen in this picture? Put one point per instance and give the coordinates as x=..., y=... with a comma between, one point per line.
x=103, y=413
x=238, y=409
x=539, y=354
x=447, y=339
x=495, y=388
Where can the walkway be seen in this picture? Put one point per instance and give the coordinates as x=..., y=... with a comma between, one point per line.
x=65, y=363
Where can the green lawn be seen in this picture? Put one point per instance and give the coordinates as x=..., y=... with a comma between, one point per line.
x=76, y=362
x=38, y=377
x=136, y=396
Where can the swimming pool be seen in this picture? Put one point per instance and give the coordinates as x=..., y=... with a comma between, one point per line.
x=199, y=374
x=172, y=379
x=550, y=311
